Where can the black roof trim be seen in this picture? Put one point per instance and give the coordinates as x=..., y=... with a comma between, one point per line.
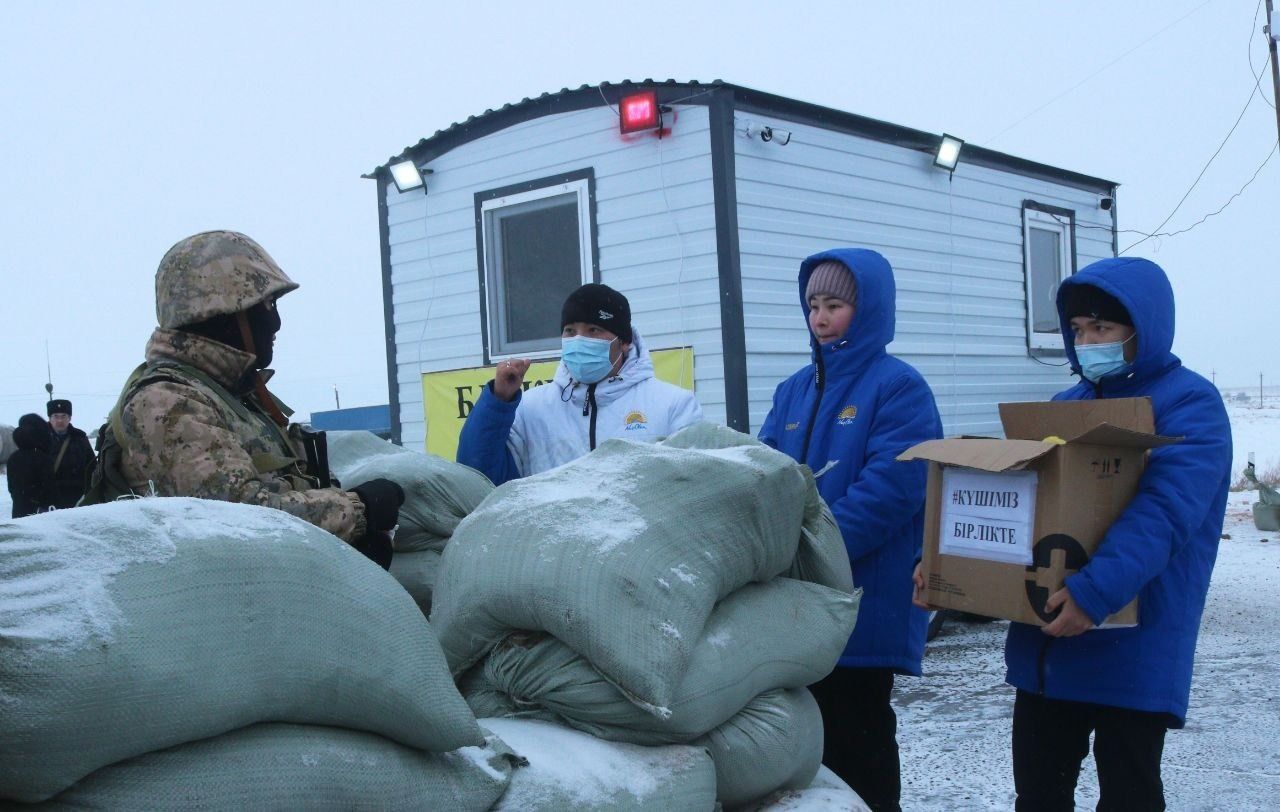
x=694, y=92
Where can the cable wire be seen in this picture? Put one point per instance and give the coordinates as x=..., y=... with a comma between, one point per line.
x=1220, y=209
x=993, y=138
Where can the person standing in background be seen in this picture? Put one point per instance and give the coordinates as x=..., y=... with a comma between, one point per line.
x=30, y=469
x=72, y=454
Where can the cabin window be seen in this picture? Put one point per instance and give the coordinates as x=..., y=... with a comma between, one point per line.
x=537, y=243
x=1048, y=257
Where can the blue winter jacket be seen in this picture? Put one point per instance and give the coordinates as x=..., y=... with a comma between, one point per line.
x=1162, y=547
x=848, y=415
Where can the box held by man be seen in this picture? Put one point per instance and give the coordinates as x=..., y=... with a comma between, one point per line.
x=1006, y=521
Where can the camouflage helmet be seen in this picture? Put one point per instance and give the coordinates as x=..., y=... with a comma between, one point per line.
x=215, y=273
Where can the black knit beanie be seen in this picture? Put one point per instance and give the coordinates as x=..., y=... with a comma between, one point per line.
x=600, y=305
x=1094, y=302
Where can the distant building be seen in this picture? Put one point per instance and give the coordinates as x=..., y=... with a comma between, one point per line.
x=376, y=419
x=702, y=223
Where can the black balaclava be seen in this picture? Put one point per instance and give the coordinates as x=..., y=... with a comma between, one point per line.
x=264, y=323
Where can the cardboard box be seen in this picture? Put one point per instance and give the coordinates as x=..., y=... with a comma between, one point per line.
x=1007, y=520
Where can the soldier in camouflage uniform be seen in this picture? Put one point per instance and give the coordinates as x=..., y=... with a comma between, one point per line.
x=197, y=420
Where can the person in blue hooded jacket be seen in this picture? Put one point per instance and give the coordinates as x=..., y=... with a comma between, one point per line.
x=847, y=416
x=1127, y=686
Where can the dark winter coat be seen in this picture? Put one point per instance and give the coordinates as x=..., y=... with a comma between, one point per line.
x=71, y=473
x=855, y=409
x=30, y=471
x=1163, y=546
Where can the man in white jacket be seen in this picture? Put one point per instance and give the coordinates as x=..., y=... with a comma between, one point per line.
x=604, y=388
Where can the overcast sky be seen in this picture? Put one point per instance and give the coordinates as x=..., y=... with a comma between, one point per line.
x=125, y=126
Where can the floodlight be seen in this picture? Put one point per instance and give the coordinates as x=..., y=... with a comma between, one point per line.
x=948, y=153
x=406, y=176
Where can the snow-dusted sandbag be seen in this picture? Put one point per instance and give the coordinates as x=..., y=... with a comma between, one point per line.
x=821, y=557
x=348, y=449
x=288, y=767
x=780, y=634
x=621, y=554
x=569, y=770
x=416, y=572
x=825, y=793
x=437, y=494
x=774, y=743
x=139, y=625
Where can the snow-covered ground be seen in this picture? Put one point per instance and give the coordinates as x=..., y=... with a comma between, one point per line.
x=954, y=723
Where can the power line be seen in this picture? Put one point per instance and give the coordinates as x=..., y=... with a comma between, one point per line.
x=1257, y=75
x=1222, y=208
x=1205, y=168
x=993, y=139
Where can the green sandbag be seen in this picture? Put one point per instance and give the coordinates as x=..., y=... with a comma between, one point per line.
x=569, y=771
x=621, y=554
x=780, y=634
x=143, y=624
x=821, y=557
x=416, y=572
x=438, y=493
x=774, y=743
x=289, y=767
x=348, y=449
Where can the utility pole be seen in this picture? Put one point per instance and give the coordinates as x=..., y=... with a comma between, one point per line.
x=1259, y=390
x=1272, y=34
x=336, y=404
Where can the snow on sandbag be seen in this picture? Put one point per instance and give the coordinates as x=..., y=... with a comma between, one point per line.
x=416, y=572
x=621, y=554
x=438, y=493
x=139, y=625
x=774, y=743
x=569, y=770
x=825, y=793
x=821, y=557
x=287, y=767
x=348, y=449
x=779, y=634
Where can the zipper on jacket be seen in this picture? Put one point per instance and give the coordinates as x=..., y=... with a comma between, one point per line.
x=819, y=383
x=1044, y=653
x=589, y=408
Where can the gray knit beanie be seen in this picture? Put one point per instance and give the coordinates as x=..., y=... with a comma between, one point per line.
x=831, y=278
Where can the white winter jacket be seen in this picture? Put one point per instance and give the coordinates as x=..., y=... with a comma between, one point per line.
x=560, y=421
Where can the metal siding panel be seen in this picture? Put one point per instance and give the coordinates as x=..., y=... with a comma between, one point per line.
x=656, y=228
x=955, y=244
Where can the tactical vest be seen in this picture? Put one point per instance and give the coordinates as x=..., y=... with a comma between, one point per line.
x=109, y=483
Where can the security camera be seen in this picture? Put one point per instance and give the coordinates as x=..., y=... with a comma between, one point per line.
x=1105, y=203
x=783, y=137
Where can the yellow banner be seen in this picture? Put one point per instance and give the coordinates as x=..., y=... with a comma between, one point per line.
x=448, y=396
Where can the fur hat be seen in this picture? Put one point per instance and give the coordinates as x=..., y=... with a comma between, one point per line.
x=600, y=305
x=831, y=278
x=58, y=406
x=1094, y=302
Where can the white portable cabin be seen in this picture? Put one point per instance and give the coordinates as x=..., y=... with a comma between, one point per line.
x=702, y=223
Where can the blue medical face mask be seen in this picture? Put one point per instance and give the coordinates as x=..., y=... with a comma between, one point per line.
x=1100, y=360
x=587, y=359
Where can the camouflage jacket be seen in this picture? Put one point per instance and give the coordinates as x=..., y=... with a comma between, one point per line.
x=180, y=437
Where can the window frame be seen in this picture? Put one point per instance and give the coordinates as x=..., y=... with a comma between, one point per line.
x=1046, y=218
x=581, y=183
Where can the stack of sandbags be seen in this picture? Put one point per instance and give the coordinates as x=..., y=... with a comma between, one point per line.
x=438, y=494
x=568, y=771
x=152, y=636
x=657, y=593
